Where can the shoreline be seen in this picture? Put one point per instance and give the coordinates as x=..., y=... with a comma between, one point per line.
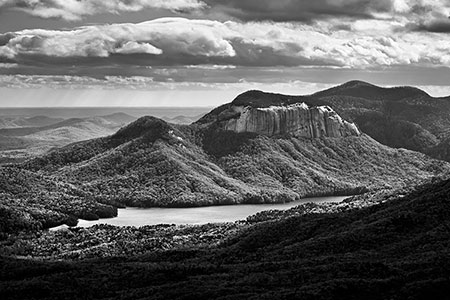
x=205, y=213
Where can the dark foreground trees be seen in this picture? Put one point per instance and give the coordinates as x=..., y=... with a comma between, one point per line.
x=395, y=250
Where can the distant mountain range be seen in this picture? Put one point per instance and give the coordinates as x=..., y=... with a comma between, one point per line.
x=20, y=122
x=28, y=137
x=252, y=150
x=182, y=120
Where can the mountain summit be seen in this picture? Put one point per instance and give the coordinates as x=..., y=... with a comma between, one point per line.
x=298, y=120
x=361, y=89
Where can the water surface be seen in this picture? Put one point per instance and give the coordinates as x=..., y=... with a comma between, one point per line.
x=196, y=215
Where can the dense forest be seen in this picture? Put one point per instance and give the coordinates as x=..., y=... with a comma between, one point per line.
x=398, y=249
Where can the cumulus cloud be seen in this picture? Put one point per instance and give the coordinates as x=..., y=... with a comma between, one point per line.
x=184, y=42
x=168, y=37
x=408, y=15
x=72, y=10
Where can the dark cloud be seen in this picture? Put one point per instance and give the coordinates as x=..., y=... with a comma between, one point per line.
x=5, y=38
x=294, y=10
x=247, y=10
x=439, y=26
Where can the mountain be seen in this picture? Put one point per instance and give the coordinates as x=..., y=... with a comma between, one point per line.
x=399, y=117
x=364, y=90
x=20, y=143
x=398, y=249
x=154, y=163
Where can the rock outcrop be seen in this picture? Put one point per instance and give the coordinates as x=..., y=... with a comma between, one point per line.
x=299, y=120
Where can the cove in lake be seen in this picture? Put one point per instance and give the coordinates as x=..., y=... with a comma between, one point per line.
x=196, y=215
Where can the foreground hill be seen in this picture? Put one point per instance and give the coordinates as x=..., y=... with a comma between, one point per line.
x=399, y=117
x=19, y=143
x=395, y=250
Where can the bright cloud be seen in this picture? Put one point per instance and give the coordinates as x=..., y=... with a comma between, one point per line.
x=170, y=36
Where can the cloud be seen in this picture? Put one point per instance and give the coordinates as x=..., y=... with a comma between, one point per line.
x=72, y=10
x=294, y=10
x=245, y=10
x=429, y=15
x=168, y=37
x=173, y=42
x=438, y=25
x=135, y=47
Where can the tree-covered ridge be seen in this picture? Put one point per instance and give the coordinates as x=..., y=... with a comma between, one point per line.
x=33, y=201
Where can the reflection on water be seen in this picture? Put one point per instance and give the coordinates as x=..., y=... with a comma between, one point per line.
x=196, y=215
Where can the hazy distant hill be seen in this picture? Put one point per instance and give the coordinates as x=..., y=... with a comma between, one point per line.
x=37, y=121
x=20, y=143
x=182, y=120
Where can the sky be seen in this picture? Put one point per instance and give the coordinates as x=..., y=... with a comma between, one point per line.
x=206, y=52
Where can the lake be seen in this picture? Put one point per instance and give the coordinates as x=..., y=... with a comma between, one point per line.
x=196, y=215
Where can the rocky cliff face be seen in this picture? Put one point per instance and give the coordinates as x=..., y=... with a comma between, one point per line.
x=299, y=120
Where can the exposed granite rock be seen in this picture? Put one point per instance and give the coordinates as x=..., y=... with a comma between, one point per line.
x=299, y=120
